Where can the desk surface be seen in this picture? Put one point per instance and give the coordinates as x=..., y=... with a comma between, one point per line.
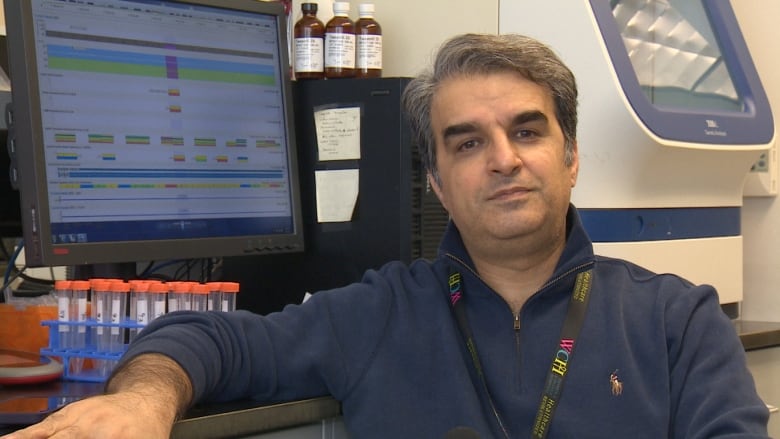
x=218, y=421
x=758, y=335
x=246, y=418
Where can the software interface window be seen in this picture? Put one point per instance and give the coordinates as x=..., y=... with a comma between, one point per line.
x=129, y=128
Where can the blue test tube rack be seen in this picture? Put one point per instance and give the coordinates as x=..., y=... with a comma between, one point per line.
x=89, y=351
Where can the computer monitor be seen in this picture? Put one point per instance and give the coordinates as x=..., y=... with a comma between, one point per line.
x=10, y=212
x=148, y=130
x=10, y=216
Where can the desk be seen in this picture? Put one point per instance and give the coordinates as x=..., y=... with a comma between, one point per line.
x=243, y=419
x=758, y=335
x=238, y=419
x=49, y=395
x=252, y=419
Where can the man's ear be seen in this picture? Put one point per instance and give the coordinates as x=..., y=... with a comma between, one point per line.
x=436, y=189
x=575, y=165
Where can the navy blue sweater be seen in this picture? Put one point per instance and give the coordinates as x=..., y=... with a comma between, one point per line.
x=390, y=350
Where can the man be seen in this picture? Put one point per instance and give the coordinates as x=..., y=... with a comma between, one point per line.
x=516, y=329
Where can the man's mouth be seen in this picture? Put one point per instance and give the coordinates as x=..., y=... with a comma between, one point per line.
x=509, y=193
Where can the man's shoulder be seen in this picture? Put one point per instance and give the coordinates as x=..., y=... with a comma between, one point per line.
x=645, y=288
x=636, y=272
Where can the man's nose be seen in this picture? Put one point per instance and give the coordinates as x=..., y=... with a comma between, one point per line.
x=504, y=156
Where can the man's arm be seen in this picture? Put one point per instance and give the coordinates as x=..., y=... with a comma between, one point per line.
x=712, y=391
x=143, y=399
x=162, y=378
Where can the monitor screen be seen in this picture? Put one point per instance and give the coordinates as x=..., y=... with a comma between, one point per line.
x=152, y=129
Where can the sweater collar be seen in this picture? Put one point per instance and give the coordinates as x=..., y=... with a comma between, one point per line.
x=578, y=249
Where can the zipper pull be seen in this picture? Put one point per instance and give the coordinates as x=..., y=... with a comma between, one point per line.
x=517, y=321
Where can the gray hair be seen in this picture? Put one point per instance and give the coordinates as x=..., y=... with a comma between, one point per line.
x=478, y=54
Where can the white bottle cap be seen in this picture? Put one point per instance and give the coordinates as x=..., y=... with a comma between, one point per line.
x=340, y=8
x=366, y=9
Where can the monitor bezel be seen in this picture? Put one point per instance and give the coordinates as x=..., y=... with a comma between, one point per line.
x=27, y=155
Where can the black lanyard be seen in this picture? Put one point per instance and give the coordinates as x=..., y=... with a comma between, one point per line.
x=553, y=388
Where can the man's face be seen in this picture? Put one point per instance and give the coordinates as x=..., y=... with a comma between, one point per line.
x=500, y=156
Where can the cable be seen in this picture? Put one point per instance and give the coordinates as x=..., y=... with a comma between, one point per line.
x=207, y=269
x=146, y=271
x=31, y=285
x=12, y=264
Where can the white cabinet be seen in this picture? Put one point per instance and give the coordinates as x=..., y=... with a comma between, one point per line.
x=765, y=366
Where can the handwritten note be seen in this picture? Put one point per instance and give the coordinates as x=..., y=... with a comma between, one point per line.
x=338, y=133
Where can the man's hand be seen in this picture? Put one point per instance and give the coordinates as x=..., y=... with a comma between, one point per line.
x=144, y=398
x=116, y=416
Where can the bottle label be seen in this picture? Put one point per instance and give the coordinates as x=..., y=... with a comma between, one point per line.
x=369, y=55
x=159, y=308
x=63, y=313
x=173, y=304
x=309, y=55
x=82, y=313
x=63, y=309
x=99, y=316
x=140, y=312
x=81, y=304
x=340, y=50
x=116, y=315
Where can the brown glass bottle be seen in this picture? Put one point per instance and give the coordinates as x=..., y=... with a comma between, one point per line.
x=368, y=33
x=309, y=34
x=340, y=43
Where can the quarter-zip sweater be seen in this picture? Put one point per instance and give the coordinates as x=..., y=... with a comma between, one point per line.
x=389, y=349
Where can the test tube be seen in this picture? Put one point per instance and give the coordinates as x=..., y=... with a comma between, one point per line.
x=215, y=296
x=173, y=304
x=119, y=293
x=139, y=305
x=229, y=291
x=182, y=291
x=200, y=297
x=101, y=300
x=63, y=292
x=101, y=297
x=79, y=296
x=158, y=294
x=79, y=293
x=133, y=284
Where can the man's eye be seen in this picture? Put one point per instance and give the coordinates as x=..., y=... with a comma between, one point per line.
x=470, y=144
x=525, y=134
